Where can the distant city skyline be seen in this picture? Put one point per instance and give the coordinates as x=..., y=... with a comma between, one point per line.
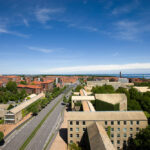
x=74, y=36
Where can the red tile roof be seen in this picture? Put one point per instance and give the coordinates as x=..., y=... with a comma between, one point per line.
x=28, y=86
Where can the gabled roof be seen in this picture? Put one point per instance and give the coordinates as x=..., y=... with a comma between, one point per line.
x=28, y=86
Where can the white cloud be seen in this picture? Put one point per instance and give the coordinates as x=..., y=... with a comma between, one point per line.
x=98, y=68
x=43, y=50
x=25, y=21
x=127, y=30
x=126, y=8
x=84, y=27
x=6, y=31
x=45, y=14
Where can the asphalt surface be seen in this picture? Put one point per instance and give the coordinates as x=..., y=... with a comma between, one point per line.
x=15, y=141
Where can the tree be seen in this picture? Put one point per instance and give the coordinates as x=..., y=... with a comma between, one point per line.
x=1, y=136
x=23, y=82
x=133, y=105
x=103, y=89
x=134, y=94
x=123, y=90
x=11, y=86
x=74, y=146
x=78, y=88
x=141, y=142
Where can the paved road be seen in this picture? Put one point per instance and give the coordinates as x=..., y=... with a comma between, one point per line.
x=15, y=141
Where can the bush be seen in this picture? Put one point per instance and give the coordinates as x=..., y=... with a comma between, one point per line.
x=1, y=136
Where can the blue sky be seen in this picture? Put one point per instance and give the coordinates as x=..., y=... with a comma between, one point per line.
x=74, y=36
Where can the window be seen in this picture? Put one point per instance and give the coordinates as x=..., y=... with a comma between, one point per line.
x=118, y=135
x=112, y=129
x=71, y=123
x=77, y=122
x=118, y=122
x=106, y=129
x=71, y=135
x=118, y=142
x=112, y=135
x=84, y=129
x=112, y=141
x=125, y=135
x=112, y=122
x=131, y=122
x=131, y=135
x=105, y=122
x=83, y=122
x=125, y=122
x=77, y=135
x=77, y=129
x=131, y=129
x=71, y=141
x=118, y=129
x=137, y=122
x=124, y=142
x=124, y=129
x=71, y=129
x=137, y=129
x=118, y=148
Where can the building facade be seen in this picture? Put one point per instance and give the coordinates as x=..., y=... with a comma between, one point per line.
x=122, y=125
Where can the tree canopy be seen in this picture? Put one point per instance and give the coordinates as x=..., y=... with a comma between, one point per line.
x=141, y=142
x=103, y=89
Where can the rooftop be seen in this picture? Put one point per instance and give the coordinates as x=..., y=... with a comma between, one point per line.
x=98, y=138
x=86, y=98
x=111, y=98
x=107, y=115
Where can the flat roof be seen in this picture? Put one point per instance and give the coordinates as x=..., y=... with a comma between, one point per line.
x=111, y=98
x=85, y=106
x=91, y=106
x=107, y=115
x=26, y=103
x=86, y=98
x=142, y=89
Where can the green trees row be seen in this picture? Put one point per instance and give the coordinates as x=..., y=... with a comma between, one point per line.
x=42, y=103
x=10, y=93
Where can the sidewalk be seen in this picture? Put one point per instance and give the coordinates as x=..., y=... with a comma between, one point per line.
x=60, y=142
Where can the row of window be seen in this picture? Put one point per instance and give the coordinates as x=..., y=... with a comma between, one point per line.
x=106, y=122
x=77, y=122
x=124, y=122
x=124, y=129
x=77, y=129
x=118, y=135
x=118, y=142
x=77, y=135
